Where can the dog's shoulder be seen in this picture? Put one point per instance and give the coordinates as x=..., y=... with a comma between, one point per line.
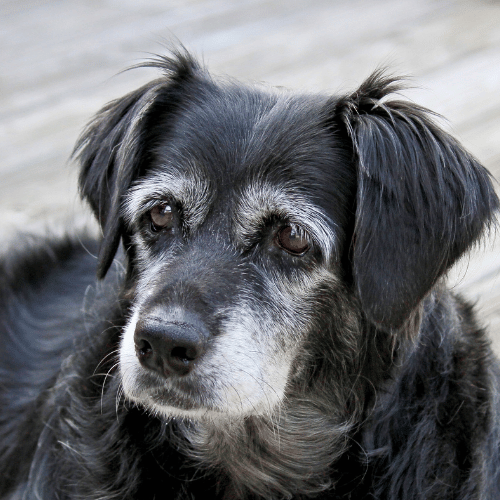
x=49, y=300
x=31, y=260
x=443, y=405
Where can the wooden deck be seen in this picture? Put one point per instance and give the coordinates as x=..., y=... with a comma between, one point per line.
x=59, y=62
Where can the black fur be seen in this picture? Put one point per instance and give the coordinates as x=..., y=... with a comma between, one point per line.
x=392, y=389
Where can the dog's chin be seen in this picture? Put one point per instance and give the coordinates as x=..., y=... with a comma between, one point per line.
x=187, y=398
x=166, y=404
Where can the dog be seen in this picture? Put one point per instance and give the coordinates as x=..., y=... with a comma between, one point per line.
x=269, y=319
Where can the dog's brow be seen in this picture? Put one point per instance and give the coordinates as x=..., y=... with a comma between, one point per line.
x=190, y=191
x=263, y=201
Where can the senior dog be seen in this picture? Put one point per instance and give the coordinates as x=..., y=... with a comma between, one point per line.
x=270, y=319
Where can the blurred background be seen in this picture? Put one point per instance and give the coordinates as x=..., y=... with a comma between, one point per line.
x=60, y=61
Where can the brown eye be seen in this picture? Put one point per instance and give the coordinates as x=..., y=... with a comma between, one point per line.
x=293, y=239
x=162, y=217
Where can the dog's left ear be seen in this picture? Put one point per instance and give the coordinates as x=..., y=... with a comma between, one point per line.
x=421, y=200
x=113, y=149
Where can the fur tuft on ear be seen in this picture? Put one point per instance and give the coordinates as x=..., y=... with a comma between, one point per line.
x=421, y=202
x=111, y=150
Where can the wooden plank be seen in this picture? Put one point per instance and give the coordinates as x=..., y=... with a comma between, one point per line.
x=58, y=62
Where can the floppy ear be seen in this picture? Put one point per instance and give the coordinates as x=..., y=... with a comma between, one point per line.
x=113, y=148
x=421, y=200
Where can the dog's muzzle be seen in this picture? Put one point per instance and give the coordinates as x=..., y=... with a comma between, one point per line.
x=169, y=348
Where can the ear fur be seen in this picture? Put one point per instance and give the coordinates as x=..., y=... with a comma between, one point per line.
x=111, y=150
x=421, y=202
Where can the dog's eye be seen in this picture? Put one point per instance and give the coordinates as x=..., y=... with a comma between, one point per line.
x=162, y=217
x=293, y=239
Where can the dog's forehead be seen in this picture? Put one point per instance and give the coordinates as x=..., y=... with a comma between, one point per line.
x=234, y=133
x=234, y=137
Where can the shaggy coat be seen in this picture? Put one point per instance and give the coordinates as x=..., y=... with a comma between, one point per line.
x=269, y=320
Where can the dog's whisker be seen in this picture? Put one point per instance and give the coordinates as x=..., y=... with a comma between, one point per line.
x=107, y=356
x=106, y=375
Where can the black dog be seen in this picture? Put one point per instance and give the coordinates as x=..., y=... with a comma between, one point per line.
x=275, y=324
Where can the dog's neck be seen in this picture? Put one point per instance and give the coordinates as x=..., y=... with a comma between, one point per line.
x=272, y=456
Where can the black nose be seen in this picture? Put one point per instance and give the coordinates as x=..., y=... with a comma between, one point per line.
x=169, y=348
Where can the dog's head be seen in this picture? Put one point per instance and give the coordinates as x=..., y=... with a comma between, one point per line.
x=264, y=228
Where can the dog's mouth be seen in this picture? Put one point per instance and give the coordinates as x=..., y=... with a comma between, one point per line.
x=177, y=398
x=165, y=394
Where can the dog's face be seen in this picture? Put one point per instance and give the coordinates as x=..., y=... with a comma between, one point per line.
x=237, y=237
x=264, y=229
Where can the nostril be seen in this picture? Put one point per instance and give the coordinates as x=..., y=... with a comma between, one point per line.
x=183, y=353
x=143, y=348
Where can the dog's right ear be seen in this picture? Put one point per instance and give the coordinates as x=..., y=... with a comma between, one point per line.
x=113, y=149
